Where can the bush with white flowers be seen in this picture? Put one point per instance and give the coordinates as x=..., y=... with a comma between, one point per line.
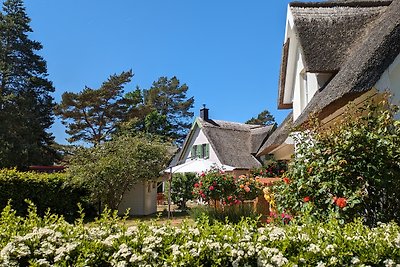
x=51, y=241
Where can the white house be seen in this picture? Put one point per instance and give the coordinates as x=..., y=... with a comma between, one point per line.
x=334, y=52
x=225, y=143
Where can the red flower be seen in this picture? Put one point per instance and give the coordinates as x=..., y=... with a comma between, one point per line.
x=203, y=196
x=211, y=188
x=202, y=174
x=341, y=202
x=286, y=180
x=229, y=198
x=196, y=185
x=214, y=183
x=306, y=199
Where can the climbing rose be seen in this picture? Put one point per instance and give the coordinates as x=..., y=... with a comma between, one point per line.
x=211, y=188
x=196, y=185
x=247, y=189
x=306, y=199
x=286, y=180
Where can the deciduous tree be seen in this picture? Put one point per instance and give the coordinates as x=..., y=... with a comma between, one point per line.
x=112, y=168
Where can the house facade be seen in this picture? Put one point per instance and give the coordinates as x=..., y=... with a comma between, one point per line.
x=225, y=143
x=335, y=52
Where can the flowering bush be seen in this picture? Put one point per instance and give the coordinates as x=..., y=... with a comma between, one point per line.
x=216, y=185
x=272, y=169
x=49, y=241
x=351, y=169
x=248, y=188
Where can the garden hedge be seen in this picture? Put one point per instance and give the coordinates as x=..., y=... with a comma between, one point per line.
x=46, y=191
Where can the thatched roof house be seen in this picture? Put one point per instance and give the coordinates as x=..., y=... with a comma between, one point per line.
x=226, y=143
x=336, y=52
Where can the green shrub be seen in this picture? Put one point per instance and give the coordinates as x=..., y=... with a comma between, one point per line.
x=49, y=241
x=47, y=191
x=351, y=169
x=182, y=185
x=232, y=214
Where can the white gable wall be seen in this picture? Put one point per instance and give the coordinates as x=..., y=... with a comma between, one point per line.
x=199, y=138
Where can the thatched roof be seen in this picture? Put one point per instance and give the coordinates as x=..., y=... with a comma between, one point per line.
x=235, y=143
x=366, y=58
x=278, y=136
x=327, y=32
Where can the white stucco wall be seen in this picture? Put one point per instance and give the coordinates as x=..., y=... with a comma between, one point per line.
x=141, y=199
x=390, y=80
x=297, y=86
x=199, y=138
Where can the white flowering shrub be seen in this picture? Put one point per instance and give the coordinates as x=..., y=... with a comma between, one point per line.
x=51, y=241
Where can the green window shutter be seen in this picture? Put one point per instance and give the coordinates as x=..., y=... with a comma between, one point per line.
x=193, y=155
x=207, y=151
x=198, y=152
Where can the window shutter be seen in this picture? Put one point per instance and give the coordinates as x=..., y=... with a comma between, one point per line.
x=198, y=151
x=193, y=155
x=207, y=155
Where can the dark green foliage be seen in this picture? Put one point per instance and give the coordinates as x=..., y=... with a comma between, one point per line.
x=264, y=118
x=47, y=191
x=356, y=160
x=164, y=110
x=182, y=188
x=25, y=101
x=93, y=114
x=231, y=214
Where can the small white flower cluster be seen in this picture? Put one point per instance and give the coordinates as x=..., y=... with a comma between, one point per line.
x=197, y=244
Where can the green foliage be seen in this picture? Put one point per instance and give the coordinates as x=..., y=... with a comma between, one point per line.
x=270, y=169
x=182, y=188
x=111, y=169
x=93, y=114
x=165, y=110
x=351, y=169
x=216, y=185
x=47, y=191
x=38, y=241
x=25, y=101
x=248, y=188
x=232, y=214
x=263, y=118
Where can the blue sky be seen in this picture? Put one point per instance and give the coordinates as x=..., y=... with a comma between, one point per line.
x=227, y=51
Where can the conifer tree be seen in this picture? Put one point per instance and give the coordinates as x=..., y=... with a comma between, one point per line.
x=264, y=118
x=25, y=101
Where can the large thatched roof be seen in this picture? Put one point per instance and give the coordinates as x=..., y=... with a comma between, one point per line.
x=278, y=136
x=355, y=40
x=368, y=57
x=235, y=143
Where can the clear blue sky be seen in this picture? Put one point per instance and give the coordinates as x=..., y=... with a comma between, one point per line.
x=227, y=51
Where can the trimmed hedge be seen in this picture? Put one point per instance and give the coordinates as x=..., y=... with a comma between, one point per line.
x=46, y=191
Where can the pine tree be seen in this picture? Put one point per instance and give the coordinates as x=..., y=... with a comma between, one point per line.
x=92, y=115
x=25, y=101
x=167, y=97
x=263, y=118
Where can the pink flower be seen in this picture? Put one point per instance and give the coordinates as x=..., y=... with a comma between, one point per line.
x=196, y=185
x=247, y=189
x=202, y=174
x=211, y=188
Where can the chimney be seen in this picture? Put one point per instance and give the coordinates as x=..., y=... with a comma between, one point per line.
x=204, y=113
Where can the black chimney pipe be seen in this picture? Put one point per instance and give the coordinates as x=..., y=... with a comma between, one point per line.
x=204, y=113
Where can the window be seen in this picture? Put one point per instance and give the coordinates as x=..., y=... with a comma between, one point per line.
x=200, y=151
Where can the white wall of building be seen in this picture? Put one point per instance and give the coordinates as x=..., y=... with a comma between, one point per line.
x=390, y=80
x=199, y=138
x=141, y=199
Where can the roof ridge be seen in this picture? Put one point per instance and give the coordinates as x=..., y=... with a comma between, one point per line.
x=343, y=3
